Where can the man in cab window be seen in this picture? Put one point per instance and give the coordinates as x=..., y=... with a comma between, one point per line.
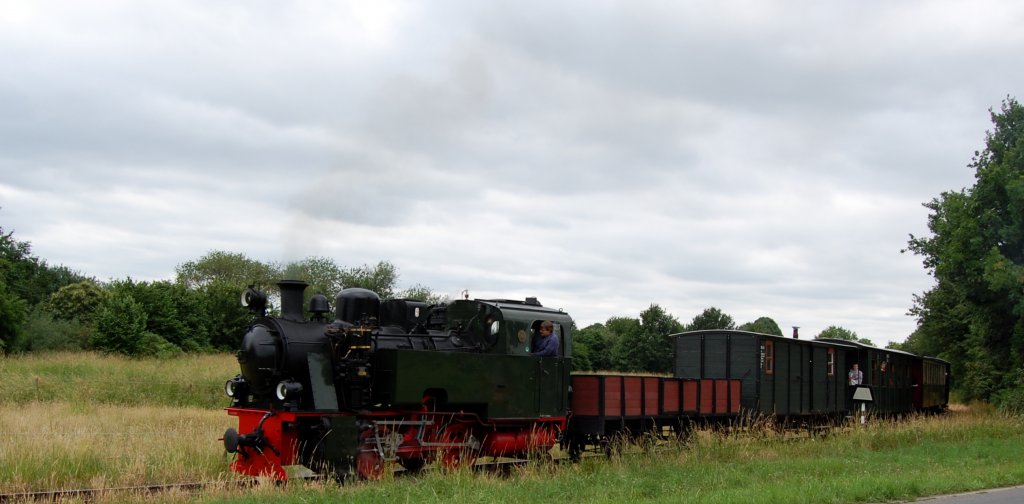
x=547, y=343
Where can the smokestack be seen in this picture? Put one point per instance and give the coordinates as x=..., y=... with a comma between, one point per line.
x=291, y=299
x=796, y=332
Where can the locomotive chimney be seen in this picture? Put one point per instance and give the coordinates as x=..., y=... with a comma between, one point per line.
x=291, y=299
x=796, y=332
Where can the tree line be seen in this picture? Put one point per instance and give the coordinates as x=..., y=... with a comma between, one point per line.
x=47, y=308
x=644, y=344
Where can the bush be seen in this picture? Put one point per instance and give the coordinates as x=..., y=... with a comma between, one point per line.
x=152, y=345
x=173, y=312
x=1011, y=399
x=77, y=301
x=120, y=324
x=13, y=311
x=226, y=318
x=44, y=332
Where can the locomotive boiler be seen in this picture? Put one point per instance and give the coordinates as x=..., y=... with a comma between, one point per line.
x=375, y=381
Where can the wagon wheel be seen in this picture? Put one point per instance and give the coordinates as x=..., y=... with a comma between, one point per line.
x=647, y=441
x=537, y=448
x=612, y=446
x=575, y=448
x=684, y=432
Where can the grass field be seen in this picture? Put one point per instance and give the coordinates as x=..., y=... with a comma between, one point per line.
x=80, y=420
x=87, y=378
x=86, y=420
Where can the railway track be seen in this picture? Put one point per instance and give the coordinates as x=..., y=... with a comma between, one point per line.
x=92, y=494
x=499, y=466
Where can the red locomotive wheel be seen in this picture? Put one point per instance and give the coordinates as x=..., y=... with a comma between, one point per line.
x=452, y=458
x=412, y=465
x=369, y=464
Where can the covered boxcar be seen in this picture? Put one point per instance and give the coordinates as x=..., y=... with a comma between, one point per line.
x=783, y=377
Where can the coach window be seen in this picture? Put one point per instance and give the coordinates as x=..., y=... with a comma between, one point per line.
x=831, y=361
x=769, y=357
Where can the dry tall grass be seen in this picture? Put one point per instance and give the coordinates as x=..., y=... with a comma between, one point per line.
x=49, y=446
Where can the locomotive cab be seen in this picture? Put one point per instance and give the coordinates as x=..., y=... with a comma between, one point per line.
x=491, y=372
x=507, y=327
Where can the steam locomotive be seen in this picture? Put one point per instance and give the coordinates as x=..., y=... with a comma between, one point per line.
x=402, y=381
x=394, y=380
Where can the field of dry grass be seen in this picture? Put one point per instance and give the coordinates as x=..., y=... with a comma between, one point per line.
x=72, y=421
x=58, y=445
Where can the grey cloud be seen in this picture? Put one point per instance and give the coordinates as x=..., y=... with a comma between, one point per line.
x=769, y=159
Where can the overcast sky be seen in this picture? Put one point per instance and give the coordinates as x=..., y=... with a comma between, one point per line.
x=765, y=158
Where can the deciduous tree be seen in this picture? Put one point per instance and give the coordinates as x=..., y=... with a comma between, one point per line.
x=763, y=325
x=598, y=343
x=842, y=333
x=77, y=301
x=974, y=314
x=711, y=318
x=381, y=278
x=13, y=311
x=226, y=267
x=645, y=344
x=27, y=276
x=120, y=324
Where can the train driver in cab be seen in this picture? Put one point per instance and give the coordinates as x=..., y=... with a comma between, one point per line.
x=546, y=344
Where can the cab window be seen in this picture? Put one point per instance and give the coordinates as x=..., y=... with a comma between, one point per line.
x=519, y=336
x=556, y=332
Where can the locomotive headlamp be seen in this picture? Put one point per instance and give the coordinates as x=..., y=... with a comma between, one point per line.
x=235, y=387
x=254, y=300
x=288, y=389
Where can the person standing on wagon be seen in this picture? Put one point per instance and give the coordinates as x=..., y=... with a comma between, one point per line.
x=856, y=376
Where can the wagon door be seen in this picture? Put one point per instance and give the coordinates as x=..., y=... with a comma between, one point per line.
x=819, y=379
x=783, y=379
x=803, y=353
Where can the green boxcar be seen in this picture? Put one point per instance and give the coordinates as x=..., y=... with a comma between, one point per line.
x=779, y=376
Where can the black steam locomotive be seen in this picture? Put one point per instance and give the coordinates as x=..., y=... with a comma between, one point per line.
x=393, y=380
